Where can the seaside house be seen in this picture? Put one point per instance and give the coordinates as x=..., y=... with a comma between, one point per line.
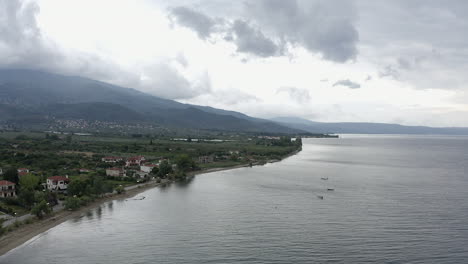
x=22, y=171
x=205, y=159
x=135, y=161
x=148, y=167
x=7, y=189
x=115, y=172
x=57, y=183
x=112, y=159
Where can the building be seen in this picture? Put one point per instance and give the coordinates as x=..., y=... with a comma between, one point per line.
x=7, y=189
x=1, y=171
x=84, y=170
x=205, y=159
x=57, y=183
x=140, y=174
x=148, y=167
x=111, y=159
x=22, y=171
x=135, y=161
x=115, y=172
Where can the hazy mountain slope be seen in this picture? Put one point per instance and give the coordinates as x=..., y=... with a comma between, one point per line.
x=92, y=111
x=45, y=94
x=365, y=128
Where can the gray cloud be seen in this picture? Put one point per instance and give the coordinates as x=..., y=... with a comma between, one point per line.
x=297, y=94
x=325, y=27
x=165, y=81
x=347, y=83
x=194, y=20
x=250, y=40
x=22, y=45
x=270, y=27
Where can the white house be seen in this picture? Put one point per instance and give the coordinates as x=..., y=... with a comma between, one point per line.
x=148, y=167
x=7, y=189
x=135, y=161
x=57, y=183
x=111, y=159
x=115, y=172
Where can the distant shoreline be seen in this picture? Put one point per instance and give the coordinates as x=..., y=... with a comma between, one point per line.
x=23, y=234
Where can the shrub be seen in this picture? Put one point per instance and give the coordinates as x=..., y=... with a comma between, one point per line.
x=72, y=203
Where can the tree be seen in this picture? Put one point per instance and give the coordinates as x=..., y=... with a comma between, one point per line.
x=41, y=209
x=155, y=171
x=28, y=182
x=184, y=163
x=72, y=203
x=11, y=175
x=77, y=187
x=120, y=189
x=164, y=169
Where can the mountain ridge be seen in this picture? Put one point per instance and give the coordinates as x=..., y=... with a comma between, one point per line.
x=27, y=93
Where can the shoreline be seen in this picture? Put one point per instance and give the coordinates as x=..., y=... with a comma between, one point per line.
x=23, y=234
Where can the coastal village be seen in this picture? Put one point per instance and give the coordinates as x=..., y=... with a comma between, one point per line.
x=46, y=173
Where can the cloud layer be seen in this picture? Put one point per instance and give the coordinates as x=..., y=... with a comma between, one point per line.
x=270, y=27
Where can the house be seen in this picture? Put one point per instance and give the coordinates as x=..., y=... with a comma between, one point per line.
x=7, y=189
x=84, y=170
x=148, y=167
x=135, y=161
x=205, y=159
x=111, y=159
x=1, y=171
x=140, y=174
x=22, y=171
x=115, y=172
x=57, y=183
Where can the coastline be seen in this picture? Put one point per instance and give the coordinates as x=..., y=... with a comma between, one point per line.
x=23, y=234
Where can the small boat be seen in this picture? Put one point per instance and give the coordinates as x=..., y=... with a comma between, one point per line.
x=330, y=189
x=324, y=178
x=320, y=197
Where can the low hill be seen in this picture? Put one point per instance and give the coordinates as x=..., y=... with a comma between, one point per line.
x=365, y=128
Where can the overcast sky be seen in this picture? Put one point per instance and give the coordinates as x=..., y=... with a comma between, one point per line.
x=399, y=61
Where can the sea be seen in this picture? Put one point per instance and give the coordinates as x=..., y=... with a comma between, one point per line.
x=355, y=199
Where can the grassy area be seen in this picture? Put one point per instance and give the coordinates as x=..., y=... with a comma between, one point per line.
x=221, y=164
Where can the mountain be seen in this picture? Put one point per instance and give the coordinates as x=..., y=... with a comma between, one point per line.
x=40, y=96
x=365, y=128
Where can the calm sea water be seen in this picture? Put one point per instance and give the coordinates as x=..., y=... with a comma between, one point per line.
x=397, y=199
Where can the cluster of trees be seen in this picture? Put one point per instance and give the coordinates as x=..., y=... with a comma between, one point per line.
x=92, y=185
x=31, y=197
x=184, y=163
x=82, y=191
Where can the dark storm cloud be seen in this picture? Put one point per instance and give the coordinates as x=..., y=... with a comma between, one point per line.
x=194, y=20
x=347, y=83
x=325, y=27
x=269, y=27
